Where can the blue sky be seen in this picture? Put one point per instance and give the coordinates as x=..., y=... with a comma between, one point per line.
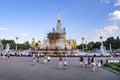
x=29, y=19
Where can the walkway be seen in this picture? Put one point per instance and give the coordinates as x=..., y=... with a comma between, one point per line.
x=23, y=68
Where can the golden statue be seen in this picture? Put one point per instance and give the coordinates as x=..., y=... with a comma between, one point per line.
x=65, y=43
x=33, y=44
x=73, y=44
x=39, y=43
x=47, y=44
x=56, y=44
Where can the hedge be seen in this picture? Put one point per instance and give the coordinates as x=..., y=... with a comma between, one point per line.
x=113, y=66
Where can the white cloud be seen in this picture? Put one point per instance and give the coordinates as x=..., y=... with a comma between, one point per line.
x=105, y=32
x=115, y=15
x=3, y=29
x=24, y=35
x=117, y=3
x=106, y=1
x=111, y=28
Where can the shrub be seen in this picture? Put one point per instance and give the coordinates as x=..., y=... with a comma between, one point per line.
x=114, y=66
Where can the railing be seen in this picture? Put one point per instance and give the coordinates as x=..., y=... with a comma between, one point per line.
x=113, y=60
x=54, y=51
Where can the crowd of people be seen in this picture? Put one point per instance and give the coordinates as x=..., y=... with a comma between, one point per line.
x=91, y=63
x=88, y=62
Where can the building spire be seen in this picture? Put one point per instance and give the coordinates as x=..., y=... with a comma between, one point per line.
x=58, y=14
x=59, y=25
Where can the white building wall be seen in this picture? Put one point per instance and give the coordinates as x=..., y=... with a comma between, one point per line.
x=61, y=44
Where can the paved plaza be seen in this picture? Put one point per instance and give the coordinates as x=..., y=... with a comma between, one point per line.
x=23, y=68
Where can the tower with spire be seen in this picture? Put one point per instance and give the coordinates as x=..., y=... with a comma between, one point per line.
x=58, y=34
x=59, y=25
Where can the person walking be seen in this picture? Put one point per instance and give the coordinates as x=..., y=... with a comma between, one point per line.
x=8, y=55
x=81, y=62
x=89, y=61
x=60, y=62
x=4, y=54
x=93, y=64
x=86, y=63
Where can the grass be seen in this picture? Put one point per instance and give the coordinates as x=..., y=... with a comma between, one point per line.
x=113, y=66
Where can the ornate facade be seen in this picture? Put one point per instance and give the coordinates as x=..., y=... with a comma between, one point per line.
x=57, y=36
x=56, y=39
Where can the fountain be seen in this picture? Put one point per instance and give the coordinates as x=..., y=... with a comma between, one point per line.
x=55, y=42
x=7, y=48
x=102, y=49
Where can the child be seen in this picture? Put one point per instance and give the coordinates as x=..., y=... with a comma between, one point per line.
x=48, y=58
x=38, y=57
x=8, y=54
x=34, y=58
x=86, y=63
x=3, y=55
x=98, y=65
x=45, y=59
x=65, y=63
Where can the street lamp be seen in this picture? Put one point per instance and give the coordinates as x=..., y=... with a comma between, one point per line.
x=83, y=43
x=86, y=45
x=110, y=48
x=101, y=47
x=16, y=42
x=101, y=38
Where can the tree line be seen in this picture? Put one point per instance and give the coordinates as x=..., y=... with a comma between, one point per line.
x=22, y=46
x=115, y=44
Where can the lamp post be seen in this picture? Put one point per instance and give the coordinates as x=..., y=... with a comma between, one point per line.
x=16, y=42
x=101, y=47
x=101, y=38
x=83, y=43
x=110, y=48
x=86, y=45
